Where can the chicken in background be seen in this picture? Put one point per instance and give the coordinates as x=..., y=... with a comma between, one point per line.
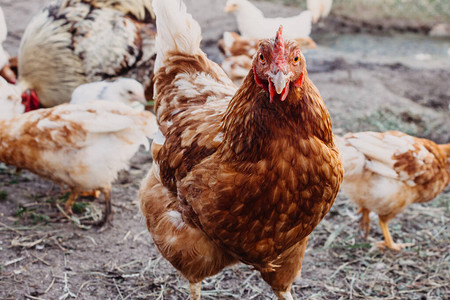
x=319, y=8
x=239, y=54
x=240, y=175
x=72, y=42
x=5, y=69
x=237, y=67
x=232, y=44
x=125, y=90
x=252, y=23
x=83, y=146
x=386, y=172
x=10, y=100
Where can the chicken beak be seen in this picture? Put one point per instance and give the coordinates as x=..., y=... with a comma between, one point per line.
x=229, y=8
x=140, y=99
x=279, y=83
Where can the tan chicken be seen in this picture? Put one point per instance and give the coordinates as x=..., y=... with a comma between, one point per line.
x=238, y=176
x=83, y=146
x=237, y=67
x=72, y=42
x=386, y=172
x=232, y=44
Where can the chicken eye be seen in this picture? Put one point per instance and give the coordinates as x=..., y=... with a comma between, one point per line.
x=296, y=59
x=261, y=58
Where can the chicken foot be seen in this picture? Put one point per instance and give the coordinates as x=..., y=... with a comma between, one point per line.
x=388, y=241
x=108, y=209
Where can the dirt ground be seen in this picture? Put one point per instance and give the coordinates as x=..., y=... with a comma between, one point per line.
x=365, y=87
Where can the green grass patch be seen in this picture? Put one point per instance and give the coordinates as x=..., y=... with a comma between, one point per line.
x=385, y=119
x=79, y=207
x=353, y=246
x=24, y=213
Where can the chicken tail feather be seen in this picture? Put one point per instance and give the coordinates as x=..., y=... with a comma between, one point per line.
x=177, y=30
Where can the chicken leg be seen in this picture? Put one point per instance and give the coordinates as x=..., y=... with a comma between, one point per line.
x=284, y=295
x=365, y=221
x=195, y=289
x=388, y=241
x=70, y=201
x=289, y=265
x=108, y=209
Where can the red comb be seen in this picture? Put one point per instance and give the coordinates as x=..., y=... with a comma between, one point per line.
x=30, y=100
x=278, y=49
x=279, y=43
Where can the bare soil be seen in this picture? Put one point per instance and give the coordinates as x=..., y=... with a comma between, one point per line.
x=45, y=256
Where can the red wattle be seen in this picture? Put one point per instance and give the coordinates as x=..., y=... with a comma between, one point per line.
x=285, y=92
x=258, y=80
x=34, y=101
x=271, y=91
x=299, y=81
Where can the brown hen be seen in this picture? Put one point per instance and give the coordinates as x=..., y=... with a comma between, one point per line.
x=240, y=175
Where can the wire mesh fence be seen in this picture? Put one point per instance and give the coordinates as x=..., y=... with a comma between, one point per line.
x=423, y=12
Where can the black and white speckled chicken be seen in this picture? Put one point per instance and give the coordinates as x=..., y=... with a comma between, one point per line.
x=71, y=42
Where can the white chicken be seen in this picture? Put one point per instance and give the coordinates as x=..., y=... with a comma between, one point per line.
x=5, y=70
x=4, y=57
x=71, y=42
x=385, y=172
x=83, y=146
x=319, y=8
x=125, y=90
x=10, y=101
x=253, y=24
